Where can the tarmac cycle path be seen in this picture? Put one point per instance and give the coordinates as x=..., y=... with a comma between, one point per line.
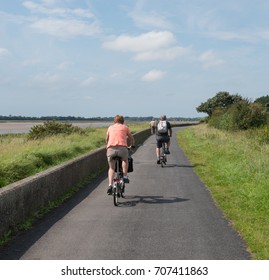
x=167, y=214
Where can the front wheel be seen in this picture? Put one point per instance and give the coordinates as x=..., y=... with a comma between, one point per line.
x=116, y=195
x=122, y=190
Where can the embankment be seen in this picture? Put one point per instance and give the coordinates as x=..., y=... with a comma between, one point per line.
x=21, y=200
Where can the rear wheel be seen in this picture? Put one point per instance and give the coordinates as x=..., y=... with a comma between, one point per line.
x=162, y=161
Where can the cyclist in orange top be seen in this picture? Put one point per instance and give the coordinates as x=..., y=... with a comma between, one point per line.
x=117, y=145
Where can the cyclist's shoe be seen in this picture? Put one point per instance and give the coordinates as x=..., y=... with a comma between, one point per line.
x=158, y=161
x=109, y=190
x=167, y=152
x=126, y=180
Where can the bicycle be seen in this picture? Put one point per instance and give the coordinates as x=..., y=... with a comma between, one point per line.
x=118, y=188
x=163, y=158
x=118, y=183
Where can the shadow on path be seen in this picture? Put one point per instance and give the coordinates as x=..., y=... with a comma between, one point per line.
x=132, y=201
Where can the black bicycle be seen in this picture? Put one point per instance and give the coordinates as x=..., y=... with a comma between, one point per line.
x=118, y=182
x=163, y=157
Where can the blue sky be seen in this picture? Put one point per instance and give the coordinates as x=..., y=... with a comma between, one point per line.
x=93, y=58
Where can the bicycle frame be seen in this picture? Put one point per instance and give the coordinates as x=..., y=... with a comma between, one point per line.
x=118, y=183
x=163, y=158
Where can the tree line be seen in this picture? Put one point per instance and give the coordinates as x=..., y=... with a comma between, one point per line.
x=91, y=119
x=234, y=112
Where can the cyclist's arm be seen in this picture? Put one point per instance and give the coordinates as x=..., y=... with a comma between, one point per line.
x=131, y=139
x=170, y=132
x=107, y=137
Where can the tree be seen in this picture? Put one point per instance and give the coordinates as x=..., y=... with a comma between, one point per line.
x=221, y=100
x=264, y=100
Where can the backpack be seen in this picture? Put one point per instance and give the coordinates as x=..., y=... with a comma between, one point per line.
x=162, y=127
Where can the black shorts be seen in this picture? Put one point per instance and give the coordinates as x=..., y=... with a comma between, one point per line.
x=162, y=139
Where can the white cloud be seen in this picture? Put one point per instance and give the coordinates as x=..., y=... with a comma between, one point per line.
x=46, y=80
x=150, y=20
x=89, y=81
x=153, y=75
x=148, y=46
x=48, y=9
x=62, y=22
x=144, y=42
x=64, y=65
x=49, y=2
x=165, y=54
x=65, y=28
x=87, y=97
x=209, y=59
x=243, y=36
x=116, y=75
x=34, y=7
x=3, y=52
x=235, y=36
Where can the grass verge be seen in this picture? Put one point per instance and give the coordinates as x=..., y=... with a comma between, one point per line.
x=235, y=169
x=21, y=158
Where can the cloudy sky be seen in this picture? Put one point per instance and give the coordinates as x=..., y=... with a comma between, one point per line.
x=93, y=58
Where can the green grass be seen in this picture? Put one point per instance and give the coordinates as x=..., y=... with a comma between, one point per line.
x=235, y=168
x=21, y=158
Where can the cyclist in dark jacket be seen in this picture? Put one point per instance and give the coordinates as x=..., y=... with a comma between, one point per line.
x=163, y=134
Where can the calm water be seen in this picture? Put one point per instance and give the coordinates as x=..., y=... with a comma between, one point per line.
x=24, y=127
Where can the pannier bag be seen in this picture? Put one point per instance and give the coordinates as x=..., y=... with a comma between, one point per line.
x=130, y=165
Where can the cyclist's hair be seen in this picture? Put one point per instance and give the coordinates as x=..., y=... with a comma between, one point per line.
x=119, y=119
x=163, y=117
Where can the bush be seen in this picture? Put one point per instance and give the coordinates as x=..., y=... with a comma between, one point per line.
x=248, y=115
x=50, y=128
x=239, y=116
x=215, y=119
x=221, y=119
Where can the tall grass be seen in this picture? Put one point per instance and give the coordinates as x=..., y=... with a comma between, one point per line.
x=235, y=167
x=21, y=157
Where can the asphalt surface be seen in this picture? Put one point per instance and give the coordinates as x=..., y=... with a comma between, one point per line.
x=168, y=214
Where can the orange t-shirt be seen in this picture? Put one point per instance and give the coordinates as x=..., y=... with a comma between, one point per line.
x=117, y=135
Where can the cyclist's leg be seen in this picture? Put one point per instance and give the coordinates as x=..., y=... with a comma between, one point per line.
x=111, y=171
x=167, y=144
x=158, y=152
x=123, y=153
x=124, y=167
x=158, y=148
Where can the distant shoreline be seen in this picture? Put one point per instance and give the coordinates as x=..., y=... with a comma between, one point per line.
x=13, y=127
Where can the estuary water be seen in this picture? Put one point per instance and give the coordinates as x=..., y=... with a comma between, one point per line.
x=24, y=127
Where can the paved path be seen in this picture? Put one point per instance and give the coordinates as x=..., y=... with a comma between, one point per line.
x=167, y=214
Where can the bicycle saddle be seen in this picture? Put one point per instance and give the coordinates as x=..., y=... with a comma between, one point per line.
x=116, y=158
